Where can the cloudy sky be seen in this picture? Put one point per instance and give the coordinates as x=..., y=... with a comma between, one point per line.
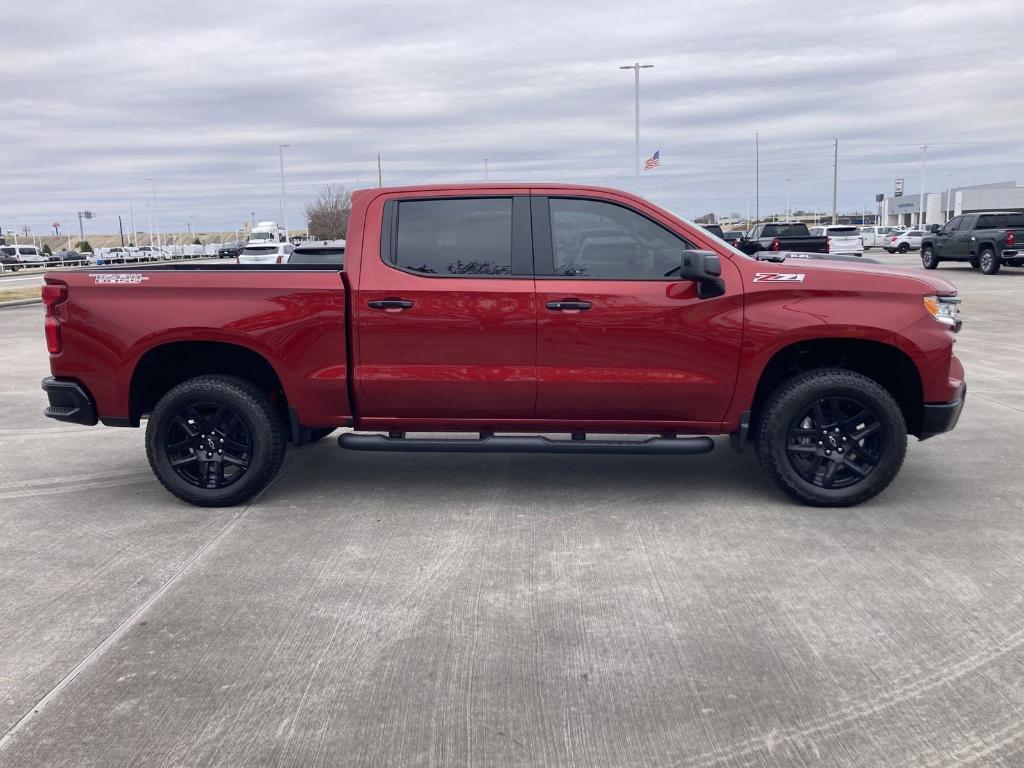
x=197, y=96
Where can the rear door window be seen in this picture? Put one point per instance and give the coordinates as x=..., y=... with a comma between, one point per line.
x=460, y=237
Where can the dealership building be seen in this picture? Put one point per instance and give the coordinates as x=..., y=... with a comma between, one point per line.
x=940, y=207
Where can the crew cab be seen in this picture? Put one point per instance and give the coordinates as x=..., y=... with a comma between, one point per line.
x=514, y=314
x=986, y=240
x=782, y=236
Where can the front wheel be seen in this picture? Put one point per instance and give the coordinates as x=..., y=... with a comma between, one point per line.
x=215, y=441
x=831, y=438
x=928, y=258
x=989, y=262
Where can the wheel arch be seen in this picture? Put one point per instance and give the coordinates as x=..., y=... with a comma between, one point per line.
x=166, y=365
x=884, y=363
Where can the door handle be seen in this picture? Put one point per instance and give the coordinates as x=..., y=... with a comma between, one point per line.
x=391, y=305
x=570, y=305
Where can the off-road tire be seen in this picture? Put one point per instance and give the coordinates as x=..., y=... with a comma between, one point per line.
x=257, y=414
x=928, y=258
x=793, y=397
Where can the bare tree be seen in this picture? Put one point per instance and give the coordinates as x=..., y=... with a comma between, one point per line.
x=707, y=218
x=327, y=216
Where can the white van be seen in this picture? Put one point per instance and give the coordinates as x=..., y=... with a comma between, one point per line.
x=875, y=237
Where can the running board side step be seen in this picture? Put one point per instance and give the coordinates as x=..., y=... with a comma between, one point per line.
x=655, y=446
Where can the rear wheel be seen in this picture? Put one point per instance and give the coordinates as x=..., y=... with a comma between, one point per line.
x=215, y=441
x=989, y=262
x=928, y=258
x=832, y=438
x=903, y=247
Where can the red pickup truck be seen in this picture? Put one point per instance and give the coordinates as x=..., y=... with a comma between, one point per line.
x=511, y=312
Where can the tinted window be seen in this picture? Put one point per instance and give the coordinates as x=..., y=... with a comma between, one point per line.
x=915, y=233
x=7, y=251
x=784, y=230
x=950, y=226
x=455, y=237
x=260, y=250
x=842, y=231
x=334, y=256
x=992, y=221
x=595, y=239
x=1015, y=219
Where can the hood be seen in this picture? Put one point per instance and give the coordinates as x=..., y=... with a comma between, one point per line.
x=818, y=264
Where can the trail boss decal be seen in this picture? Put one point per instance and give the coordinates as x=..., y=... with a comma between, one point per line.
x=118, y=278
x=779, y=277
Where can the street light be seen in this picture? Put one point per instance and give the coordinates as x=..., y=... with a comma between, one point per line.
x=920, y=215
x=284, y=215
x=636, y=67
x=81, y=230
x=156, y=215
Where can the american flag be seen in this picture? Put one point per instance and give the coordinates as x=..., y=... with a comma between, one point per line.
x=653, y=161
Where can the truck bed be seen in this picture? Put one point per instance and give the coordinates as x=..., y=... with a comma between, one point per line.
x=291, y=317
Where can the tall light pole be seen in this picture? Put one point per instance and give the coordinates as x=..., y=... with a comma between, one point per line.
x=156, y=215
x=284, y=214
x=920, y=215
x=788, y=216
x=636, y=67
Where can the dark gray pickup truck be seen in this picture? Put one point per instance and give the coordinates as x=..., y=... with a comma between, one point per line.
x=781, y=236
x=986, y=240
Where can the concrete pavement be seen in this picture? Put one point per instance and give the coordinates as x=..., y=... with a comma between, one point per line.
x=515, y=610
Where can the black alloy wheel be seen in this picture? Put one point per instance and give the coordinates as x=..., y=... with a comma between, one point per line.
x=835, y=442
x=208, y=445
x=831, y=437
x=215, y=441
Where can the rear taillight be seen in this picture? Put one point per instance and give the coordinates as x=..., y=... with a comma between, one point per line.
x=53, y=295
x=1011, y=237
x=776, y=244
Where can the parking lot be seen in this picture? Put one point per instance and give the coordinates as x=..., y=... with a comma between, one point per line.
x=405, y=609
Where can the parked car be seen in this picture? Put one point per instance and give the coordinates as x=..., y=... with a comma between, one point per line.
x=326, y=252
x=843, y=239
x=119, y=255
x=230, y=250
x=271, y=253
x=986, y=240
x=714, y=229
x=901, y=242
x=150, y=253
x=66, y=258
x=732, y=237
x=782, y=236
x=473, y=310
x=875, y=236
x=18, y=256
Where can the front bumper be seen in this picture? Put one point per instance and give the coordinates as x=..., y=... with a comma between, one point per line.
x=941, y=417
x=68, y=402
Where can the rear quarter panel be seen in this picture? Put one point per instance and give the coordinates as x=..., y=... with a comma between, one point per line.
x=294, y=319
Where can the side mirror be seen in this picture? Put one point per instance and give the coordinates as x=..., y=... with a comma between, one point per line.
x=704, y=268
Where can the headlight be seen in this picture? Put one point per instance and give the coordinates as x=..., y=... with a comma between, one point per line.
x=945, y=309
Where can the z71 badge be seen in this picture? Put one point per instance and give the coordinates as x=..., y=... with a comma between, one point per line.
x=117, y=278
x=779, y=277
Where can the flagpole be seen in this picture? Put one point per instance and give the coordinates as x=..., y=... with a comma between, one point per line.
x=636, y=67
